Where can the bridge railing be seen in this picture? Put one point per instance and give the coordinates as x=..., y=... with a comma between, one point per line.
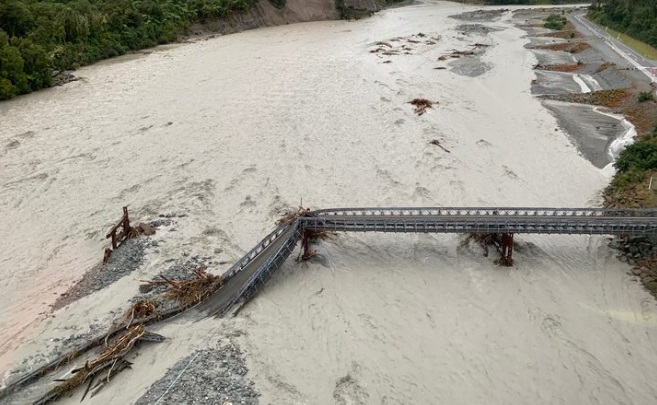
x=487, y=211
x=264, y=271
x=256, y=250
x=491, y=224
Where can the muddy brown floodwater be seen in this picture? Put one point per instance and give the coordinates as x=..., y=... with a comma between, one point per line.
x=234, y=130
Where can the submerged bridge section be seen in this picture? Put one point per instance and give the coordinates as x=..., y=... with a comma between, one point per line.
x=245, y=276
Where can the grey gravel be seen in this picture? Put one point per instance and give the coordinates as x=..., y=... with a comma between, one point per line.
x=480, y=15
x=124, y=260
x=634, y=248
x=208, y=376
x=478, y=29
x=470, y=66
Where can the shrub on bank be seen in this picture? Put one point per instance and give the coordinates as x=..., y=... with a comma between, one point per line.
x=637, y=167
x=640, y=156
x=555, y=22
x=646, y=96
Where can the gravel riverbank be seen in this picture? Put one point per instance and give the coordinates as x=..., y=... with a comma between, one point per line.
x=205, y=377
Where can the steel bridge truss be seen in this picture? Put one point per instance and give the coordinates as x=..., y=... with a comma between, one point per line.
x=501, y=222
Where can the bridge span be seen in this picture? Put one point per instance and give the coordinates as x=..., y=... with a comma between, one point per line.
x=244, y=278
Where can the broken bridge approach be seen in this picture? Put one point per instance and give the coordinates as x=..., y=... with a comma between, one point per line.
x=244, y=278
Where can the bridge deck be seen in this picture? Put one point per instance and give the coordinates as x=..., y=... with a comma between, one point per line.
x=602, y=221
x=243, y=278
x=483, y=224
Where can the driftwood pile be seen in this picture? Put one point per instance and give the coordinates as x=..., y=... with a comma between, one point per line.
x=421, y=105
x=186, y=292
x=127, y=332
x=455, y=54
x=106, y=365
x=403, y=45
x=292, y=216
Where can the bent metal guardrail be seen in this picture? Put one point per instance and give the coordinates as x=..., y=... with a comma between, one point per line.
x=502, y=223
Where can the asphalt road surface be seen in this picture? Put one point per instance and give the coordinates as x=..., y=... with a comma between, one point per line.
x=646, y=66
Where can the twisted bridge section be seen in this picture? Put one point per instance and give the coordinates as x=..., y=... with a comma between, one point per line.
x=244, y=278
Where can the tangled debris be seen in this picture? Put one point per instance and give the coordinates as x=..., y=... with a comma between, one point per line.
x=292, y=216
x=186, y=292
x=140, y=310
x=109, y=363
x=570, y=47
x=403, y=45
x=123, y=336
x=563, y=67
x=607, y=98
x=323, y=235
x=456, y=54
x=478, y=48
x=421, y=105
x=310, y=237
x=483, y=239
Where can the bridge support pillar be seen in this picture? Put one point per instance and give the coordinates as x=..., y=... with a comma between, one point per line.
x=506, y=249
x=307, y=253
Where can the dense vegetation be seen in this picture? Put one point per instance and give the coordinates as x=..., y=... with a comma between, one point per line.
x=555, y=22
x=42, y=37
x=637, y=18
x=39, y=37
x=639, y=156
x=635, y=165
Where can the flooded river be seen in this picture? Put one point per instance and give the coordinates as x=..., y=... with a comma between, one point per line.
x=234, y=130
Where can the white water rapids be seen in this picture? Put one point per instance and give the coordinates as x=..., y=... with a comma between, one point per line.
x=233, y=130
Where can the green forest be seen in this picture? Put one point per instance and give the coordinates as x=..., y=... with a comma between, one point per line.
x=38, y=38
x=41, y=37
x=636, y=18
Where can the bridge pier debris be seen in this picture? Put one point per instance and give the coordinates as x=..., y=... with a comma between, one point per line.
x=117, y=239
x=506, y=249
x=123, y=231
x=306, y=253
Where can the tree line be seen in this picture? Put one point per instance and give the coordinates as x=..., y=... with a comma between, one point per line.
x=41, y=37
x=636, y=18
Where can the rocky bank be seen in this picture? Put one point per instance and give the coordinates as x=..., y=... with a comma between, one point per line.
x=265, y=14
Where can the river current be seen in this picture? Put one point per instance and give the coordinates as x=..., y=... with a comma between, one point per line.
x=234, y=130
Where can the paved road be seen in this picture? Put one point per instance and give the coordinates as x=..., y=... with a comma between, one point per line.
x=647, y=66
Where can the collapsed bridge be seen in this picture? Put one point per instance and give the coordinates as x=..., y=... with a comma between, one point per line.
x=241, y=281
x=244, y=277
